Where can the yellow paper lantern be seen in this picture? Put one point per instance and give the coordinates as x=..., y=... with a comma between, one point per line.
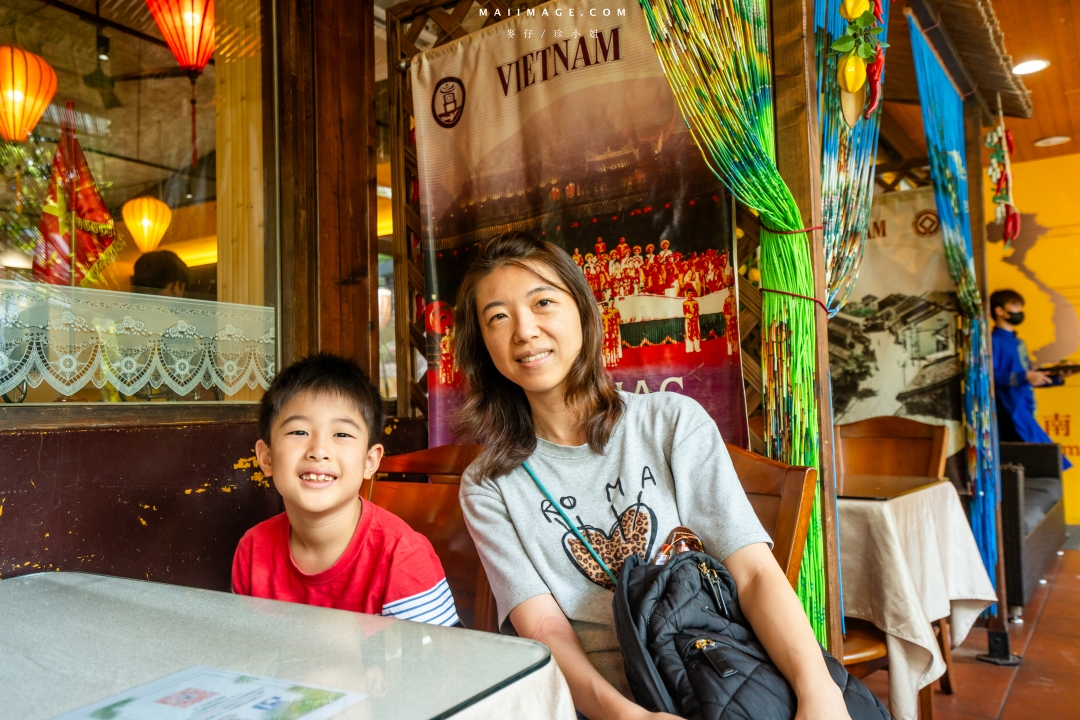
x=147, y=219
x=27, y=85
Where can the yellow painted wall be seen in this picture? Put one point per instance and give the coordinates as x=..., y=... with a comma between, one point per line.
x=1049, y=189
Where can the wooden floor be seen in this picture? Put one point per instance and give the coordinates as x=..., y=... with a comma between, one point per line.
x=1045, y=686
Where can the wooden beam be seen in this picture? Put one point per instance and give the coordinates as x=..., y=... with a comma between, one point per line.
x=328, y=203
x=799, y=161
x=928, y=18
x=895, y=135
x=347, y=203
x=298, y=211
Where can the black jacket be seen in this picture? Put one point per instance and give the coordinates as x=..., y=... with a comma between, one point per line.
x=688, y=650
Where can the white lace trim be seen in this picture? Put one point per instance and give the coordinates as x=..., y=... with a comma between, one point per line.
x=69, y=337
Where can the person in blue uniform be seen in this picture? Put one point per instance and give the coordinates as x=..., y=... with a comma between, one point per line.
x=1013, y=376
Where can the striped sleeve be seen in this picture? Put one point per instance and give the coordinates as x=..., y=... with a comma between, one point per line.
x=434, y=606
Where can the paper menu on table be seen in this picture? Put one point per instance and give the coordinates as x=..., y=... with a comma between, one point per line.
x=203, y=693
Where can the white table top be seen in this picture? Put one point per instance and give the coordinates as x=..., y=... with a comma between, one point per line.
x=69, y=639
x=906, y=562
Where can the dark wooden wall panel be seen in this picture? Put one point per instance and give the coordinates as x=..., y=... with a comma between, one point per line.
x=166, y=503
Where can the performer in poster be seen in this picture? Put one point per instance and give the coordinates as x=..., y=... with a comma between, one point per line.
x=447, y=362
x=593, y=276
x=731, y=323
x=692, y=318
x=578, y=260
x=665, y=248
x=611, y=320
x=632, y=269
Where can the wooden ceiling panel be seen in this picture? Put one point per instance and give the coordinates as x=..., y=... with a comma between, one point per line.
x=1048, y=30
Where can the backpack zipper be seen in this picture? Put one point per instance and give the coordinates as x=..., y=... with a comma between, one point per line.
x=712, y=652
x=712, y=585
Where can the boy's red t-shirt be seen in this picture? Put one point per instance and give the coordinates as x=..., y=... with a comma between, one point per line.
x=387, y=569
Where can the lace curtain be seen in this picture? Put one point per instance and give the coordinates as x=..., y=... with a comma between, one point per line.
x=69, y=337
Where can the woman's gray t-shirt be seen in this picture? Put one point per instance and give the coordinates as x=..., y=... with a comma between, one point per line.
x=664, y=466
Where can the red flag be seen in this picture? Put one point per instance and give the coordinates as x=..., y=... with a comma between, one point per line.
x=73, y=205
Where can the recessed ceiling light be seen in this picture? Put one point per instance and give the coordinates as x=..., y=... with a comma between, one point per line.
x=1030, y=66
x=1052, y=140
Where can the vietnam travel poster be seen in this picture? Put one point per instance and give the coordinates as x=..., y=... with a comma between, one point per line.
x=560, y=123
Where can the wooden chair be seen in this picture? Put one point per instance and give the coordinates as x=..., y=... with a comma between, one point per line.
x=891, y=446
x=443, y=464
x=433, y=510
x=783, y=498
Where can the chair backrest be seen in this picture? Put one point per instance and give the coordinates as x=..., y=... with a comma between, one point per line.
x=432, y=509
x=443, y=464
x=891, y=446
x=783, y=498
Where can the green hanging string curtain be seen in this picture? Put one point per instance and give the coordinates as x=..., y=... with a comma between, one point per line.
x=716, y=57
x=848, y=155
x=943, y=121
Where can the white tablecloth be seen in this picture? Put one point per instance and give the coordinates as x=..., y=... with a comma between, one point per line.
x=907, y=562
x=541, y=695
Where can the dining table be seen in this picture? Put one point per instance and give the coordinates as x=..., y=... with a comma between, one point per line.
x=71, y=641
x=908, y=558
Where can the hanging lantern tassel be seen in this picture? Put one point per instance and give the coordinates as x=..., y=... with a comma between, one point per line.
x=18, y=190
x=188, y=29
x=194, y=137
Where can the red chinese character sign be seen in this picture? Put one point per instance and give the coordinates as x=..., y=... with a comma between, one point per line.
x=564, y=127
x=73, y=208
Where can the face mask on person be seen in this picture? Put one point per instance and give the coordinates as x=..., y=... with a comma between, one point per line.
x=1015, y=318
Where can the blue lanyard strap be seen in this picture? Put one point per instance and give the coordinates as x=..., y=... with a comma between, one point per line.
x=569, y=524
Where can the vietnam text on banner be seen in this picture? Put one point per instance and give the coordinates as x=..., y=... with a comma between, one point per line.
x=564, y=127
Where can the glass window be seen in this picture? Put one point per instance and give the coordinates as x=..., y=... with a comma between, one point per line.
x=137, y=128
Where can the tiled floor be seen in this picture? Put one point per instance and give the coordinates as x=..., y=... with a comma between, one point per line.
x=1045, y=686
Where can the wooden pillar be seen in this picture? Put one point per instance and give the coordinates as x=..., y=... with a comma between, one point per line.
x=326, y=127
x=798, y=140
x=973, y=116
x=238, y=110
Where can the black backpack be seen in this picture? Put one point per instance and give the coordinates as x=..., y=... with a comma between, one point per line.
x=688, y=650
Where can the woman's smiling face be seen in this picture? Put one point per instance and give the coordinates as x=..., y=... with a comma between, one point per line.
x=531, y=327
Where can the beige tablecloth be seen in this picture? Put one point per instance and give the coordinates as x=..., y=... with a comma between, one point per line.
x=907, y=562
x=541, y=695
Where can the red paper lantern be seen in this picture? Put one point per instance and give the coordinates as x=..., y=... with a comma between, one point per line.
x=188, y=28
x=27, y=85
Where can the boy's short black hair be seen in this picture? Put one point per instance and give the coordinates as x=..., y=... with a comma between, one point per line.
x=158, y=270
x=328, y=374
x=1001, y=298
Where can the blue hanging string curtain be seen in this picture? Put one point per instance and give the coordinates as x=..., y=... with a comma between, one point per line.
x=943, y=121
x=848, y=156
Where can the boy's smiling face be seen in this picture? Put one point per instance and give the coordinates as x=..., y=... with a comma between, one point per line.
x=318, y=454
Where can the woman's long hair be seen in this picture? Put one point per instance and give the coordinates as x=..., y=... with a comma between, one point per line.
x=496, y=413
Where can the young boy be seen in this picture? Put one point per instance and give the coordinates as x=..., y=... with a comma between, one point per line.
x=1013, y=376
x=317, y=423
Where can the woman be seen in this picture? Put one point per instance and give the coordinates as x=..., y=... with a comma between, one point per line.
x=626, y=468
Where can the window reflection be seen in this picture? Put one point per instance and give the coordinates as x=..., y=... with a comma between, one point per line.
x=149, y=154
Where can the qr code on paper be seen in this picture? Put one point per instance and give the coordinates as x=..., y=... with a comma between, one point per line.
x=186, y=697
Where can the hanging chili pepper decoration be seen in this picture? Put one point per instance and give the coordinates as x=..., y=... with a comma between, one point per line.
x=1000, y=142
x=862, y=58
x=874, y=74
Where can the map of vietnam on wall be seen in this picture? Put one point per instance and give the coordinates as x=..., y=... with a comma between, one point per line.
x=564, y=127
